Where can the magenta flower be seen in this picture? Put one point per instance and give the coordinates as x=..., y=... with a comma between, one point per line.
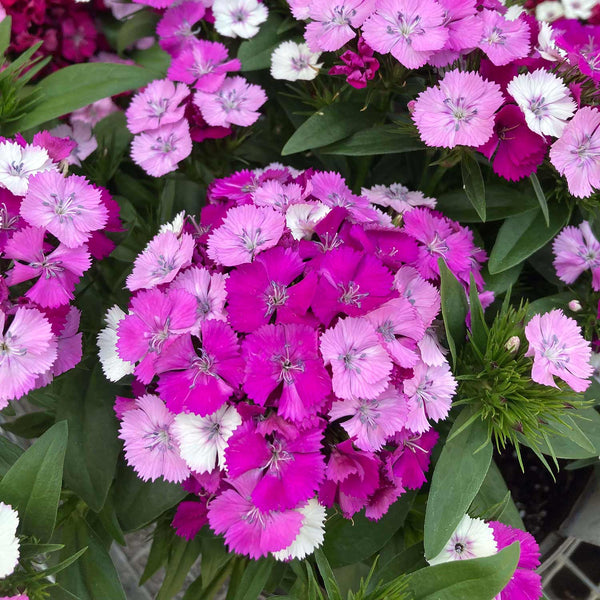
x=246, y=231
x=332, y=24
x=198, y=374
x=27, y=350
x=359, y=67
x=361, y=366
x=458, y=111
x=154, y=321
x=283, y=366
x=190, y=517
x=56, y=272
x=10, y=219
x=411, y=30
x=175, y=28
x=161, y=260
x=160, y=151
x=203, y=64
x=236, y=102
x=411, y=459
x=208, y=289
x=503, y=40
x=68, y=207
x=558, y=348
x=150, y=445
x=576, y=250
x=159, y=104
x=576, y=155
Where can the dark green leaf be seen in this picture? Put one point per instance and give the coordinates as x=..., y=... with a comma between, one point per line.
x=255, y=53
x=548, y=303
x=32, y=485
x=27, y=551
x=138, y=503
x=9, y=453
x=458, y=475
x=78, y=85
x=407, y=561
x=330, y=124
x=182, y=556
x=155, y=59
x=475, y=579
x=333, y=591
x=162, y=539
x=479, y=328
x=522, y=235
x=500, y=282
x=214, y=557
x=350, y=541
x=58, y=592
x=541, y=198
x=254, y=579
x=473, y=183
x=86, y=401
x=5, y=26
x=381, y=139
x=31, y=425
x=141, y=24
x=454, y=309
x=63, y=564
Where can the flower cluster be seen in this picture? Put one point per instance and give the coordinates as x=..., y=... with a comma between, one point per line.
x=285, y=354
x=199, y=99
x=51, y=225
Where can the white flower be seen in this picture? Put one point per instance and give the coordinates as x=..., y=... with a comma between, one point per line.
x=239, y=18
x=514, y=12
x=473, y=538
x=547, y=46
x=203, y=440
x=578, y=9
x=545, y=101
x=549, y=11
x=18, y=164
x=80, y=133
x=113, y=365
x=175, y=226
x=9, y=542
x=302, y=219
x=595, y=362
x=291, y=61
x=311, y=534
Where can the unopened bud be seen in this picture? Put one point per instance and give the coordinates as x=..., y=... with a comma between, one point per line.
x=513, y=343
x=575, y=305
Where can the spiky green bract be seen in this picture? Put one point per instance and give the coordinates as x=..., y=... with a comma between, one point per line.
x=498, y=384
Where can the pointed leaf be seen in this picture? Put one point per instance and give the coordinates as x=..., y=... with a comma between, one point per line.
x=333, y=591
x=254, y=579
x=454, y=309
x=9, y=453
x=479, y=328
x=5, y=26
x=182, y=556
x=473, y=183
x=541, y=198
x=255, y=53
x=141, y=24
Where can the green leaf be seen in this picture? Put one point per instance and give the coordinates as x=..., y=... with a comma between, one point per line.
x=407, y=561
x=78, y=85
x=254, y=579
x=349, y=541
x=62, y=565
x=86, y=399
x=458, y=475
x=522, y=235
x=454, y=309
x=331, y=586
x=255, y=54
x=31, y=425
x=32, y=485
x=548, y=303
x=479, y=328
x=5, y=26
x=214, y=557
x=473, y=183
x=380, y=139
x=541, y=198
x=141, y=24
x=182, y=556
x=162, y=538
x=330, y=124
x=93, y=576
x=475, y=579
x=9, y=453
x=138, y=502
x=501, y=202
x=500, y=282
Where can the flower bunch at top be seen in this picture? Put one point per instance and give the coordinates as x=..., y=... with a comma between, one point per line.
x=199, y=99
x=51, y=225
x=285, y=354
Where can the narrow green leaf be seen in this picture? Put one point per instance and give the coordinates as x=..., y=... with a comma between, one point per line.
x=473, y=183
x=475, y=579
x=214, y=557
x=27, y=551
x=254, y=579
x=78, y=85
x=62, y=565
x=479, y=328
x=32, y=485
x=86, y=404
x=331, y=586
x=522, y=235
x=405, y=562
x=454, y=309
x=255, y=53
x=458, y=475
x=9, y=453
x=541, y=197
x=5, y=27
x=330, y=124
x=162, y=539
x=380, y=139
x=182, y=556
x=31, y=425
x=141, y=24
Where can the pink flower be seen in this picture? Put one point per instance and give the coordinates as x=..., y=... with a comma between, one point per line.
x=332, y=24
x=246, y=231
x=150, y=445
x=27, y=349
x=420, y=293
x=236, y=102
x=576, y=155
x=93, y=113
x=80, y=134
x=411, y=30
x=161, y=260
x=190, y=517
x=203, y=64
x=68, y=207
x=397, y=197
x=58, y=147
x=459, y=110
x=159, y=151
x=198, y=374
x=79, y=36
x=157, y=105
x=576, y=250
x=58, y=271
x=558, y=348
x=503, y=40
x=283, y=366
x=175, y=27
x=361, y=367
x=277, y=195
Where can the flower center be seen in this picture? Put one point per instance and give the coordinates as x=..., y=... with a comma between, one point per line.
x=350, y=294
x=276, y=296
x=461, y=112
x=459, y=548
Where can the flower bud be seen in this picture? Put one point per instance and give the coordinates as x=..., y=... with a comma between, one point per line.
x=575, y=305
x=513, y=343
